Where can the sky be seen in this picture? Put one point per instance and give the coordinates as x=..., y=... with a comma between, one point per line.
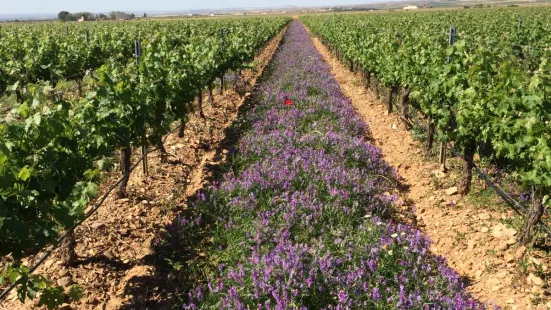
x=54, y=6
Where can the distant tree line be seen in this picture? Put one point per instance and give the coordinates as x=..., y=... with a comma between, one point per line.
x=342, y=9
x=67, y=17
x=478, y=6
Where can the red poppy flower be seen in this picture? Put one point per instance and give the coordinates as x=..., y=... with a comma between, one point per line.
x=288, y=102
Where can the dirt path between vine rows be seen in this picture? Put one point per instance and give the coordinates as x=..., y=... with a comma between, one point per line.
x=475, y=241
x=116, y=268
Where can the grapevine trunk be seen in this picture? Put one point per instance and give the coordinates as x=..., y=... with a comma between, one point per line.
x=125, y=171
x=162, y=150
x=200, y=105
x=468, y=154
x=182, y=128
x=532, y=219
x=405, y=107
x=430, y=133
x=376, y=87
x=68, y=254
x=211, y=98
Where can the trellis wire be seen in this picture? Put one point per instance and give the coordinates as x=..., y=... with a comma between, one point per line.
x=72, y=229
x=499, y=191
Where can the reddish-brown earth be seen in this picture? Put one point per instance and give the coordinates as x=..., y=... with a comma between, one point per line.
x=116, y=268
x=115, y=271
x=476, y=241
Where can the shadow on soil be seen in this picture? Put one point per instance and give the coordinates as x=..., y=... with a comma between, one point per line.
x=177, y=260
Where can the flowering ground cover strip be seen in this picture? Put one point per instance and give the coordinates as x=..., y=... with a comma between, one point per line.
x=303, y=218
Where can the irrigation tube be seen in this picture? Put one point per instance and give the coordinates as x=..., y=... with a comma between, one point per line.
x=513, y=203
x=94, y=210
x=69, y=231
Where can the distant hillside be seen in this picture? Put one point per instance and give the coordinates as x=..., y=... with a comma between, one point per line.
x=45, y=16
x=449, y=3
x=390, y=4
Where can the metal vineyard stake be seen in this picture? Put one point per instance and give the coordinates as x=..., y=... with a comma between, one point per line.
x=138, y=54
x=451, y=41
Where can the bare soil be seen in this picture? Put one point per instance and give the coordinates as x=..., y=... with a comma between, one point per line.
x=477, y=242
x=116, y=268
